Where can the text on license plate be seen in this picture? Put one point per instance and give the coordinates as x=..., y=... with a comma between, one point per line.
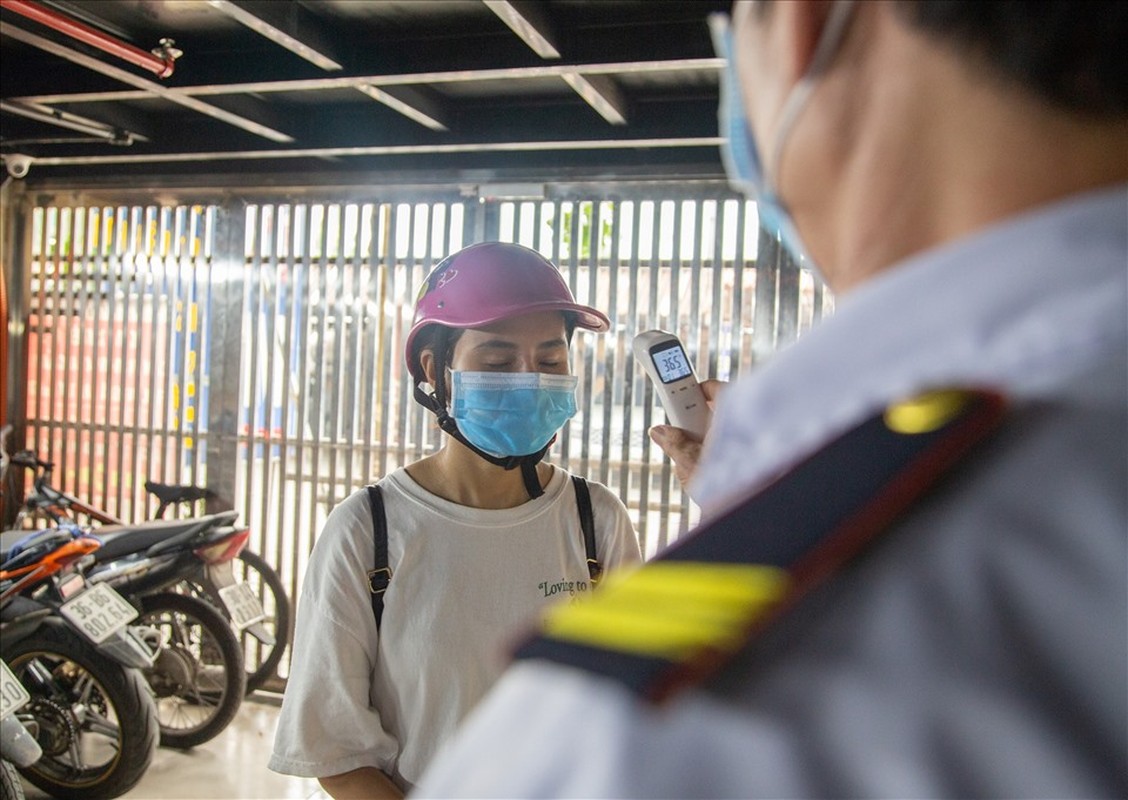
x=99, y=612
x=12, y=693
x=242, y=604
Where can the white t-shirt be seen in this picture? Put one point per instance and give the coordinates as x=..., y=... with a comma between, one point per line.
x=465, y=582
x=981, y=648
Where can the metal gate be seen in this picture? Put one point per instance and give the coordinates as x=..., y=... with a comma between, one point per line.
x=256, y=346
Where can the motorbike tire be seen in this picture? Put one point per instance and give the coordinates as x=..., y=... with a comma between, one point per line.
x=10, y=786
x=115, y=703
x=262, y=660
x=198, y=678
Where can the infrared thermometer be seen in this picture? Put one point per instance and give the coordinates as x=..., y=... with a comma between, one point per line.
x=663, y=357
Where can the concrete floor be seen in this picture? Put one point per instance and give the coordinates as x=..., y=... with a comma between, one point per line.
x=232, y=766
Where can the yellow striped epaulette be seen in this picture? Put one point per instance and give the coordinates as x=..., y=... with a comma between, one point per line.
x=678, y=618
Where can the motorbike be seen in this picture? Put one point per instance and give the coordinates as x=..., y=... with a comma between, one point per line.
x=18, y=747
x=74, y=650
x=264, y=642
x=261, y=614
x=198, y=678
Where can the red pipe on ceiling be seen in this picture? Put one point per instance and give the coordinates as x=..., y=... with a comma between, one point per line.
x=162, y=67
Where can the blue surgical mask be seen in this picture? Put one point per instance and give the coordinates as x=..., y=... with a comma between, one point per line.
x=739, y=152
x=511, y=413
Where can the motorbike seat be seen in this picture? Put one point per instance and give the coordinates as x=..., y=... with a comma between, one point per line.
x=119, y=541
x=169, y=493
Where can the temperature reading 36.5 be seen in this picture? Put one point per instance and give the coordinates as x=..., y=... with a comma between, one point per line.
x=672, y=364
x=664, y=359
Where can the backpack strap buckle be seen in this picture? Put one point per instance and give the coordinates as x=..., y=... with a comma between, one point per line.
x=378, y=579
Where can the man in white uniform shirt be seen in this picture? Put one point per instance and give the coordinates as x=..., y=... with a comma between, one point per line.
x=957, y=171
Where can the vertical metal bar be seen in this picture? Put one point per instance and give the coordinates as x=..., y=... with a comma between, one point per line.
x=80, y=420
x=158, y=289
x=653, y=273
x=288, y=510
x=303, y=282
x=268, y=309
x=788, y=324
x=322, y=234
x=179, y=337
x=716, y=320
x=423, y=419
x=740, y=269
x=609, y=342
x=100, y=465
x=630, y=326
x=16, y=226
x=117, y=283
x=223, y=246
x=403, y=424
x=60, y=329
x=168, y=375
x=252, y=301
x=339, y=302
x=370, y=359
x=389, y=331
x=766, y=277
x=198, y=336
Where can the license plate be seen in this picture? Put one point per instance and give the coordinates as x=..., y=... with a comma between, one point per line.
x=13, y=695
x=99, y=612
x=242, y=604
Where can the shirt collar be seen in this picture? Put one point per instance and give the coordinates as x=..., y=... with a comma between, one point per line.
x=1017, y=307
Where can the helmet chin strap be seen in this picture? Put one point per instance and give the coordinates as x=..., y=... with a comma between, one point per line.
x=527, y=463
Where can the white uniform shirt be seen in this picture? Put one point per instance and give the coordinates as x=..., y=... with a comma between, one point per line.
x=464, y=582
x=982, y=649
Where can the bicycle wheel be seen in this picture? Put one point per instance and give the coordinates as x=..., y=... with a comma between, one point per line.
x=198, y=677
x=96, y=719
x=262, y=660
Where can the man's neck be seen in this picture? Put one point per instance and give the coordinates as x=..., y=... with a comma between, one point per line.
x=976, y=152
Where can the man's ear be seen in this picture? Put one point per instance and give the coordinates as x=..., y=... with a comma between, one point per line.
x=800, y=25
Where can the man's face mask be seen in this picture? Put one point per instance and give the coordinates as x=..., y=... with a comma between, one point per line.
x=511, y=413
x=743, y=162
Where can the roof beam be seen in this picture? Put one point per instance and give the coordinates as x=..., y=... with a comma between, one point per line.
x=416, y=79
x=412, y=103
x=172, y=95
x=70, y=121
x=601, y=93
x=527, y=20
x=385, y=150
x=281, y=24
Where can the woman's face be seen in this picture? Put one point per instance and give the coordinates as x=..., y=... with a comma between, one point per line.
x=530, y=343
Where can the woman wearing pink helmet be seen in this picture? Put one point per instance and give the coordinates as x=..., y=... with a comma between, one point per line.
x=476, y=537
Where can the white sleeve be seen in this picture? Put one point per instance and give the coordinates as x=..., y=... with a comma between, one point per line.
x=328, y=724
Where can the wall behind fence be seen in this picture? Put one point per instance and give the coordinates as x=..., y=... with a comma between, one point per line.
x=258, y=348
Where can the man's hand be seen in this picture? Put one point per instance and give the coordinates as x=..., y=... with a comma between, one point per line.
x=683, y=448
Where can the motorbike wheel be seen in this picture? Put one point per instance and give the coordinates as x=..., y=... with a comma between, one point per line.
x=198, y=676
x=97, y=720
x=262, y=660
x=10, y=786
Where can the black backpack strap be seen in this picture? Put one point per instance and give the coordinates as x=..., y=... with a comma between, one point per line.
x=587, y=525
x=381, y=573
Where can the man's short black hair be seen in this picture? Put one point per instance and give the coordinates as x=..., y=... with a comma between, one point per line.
x=1069, y=53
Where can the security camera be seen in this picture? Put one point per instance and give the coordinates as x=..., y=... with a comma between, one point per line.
x=17, y=164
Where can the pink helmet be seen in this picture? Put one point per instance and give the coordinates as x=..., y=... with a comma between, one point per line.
x=491, y=281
